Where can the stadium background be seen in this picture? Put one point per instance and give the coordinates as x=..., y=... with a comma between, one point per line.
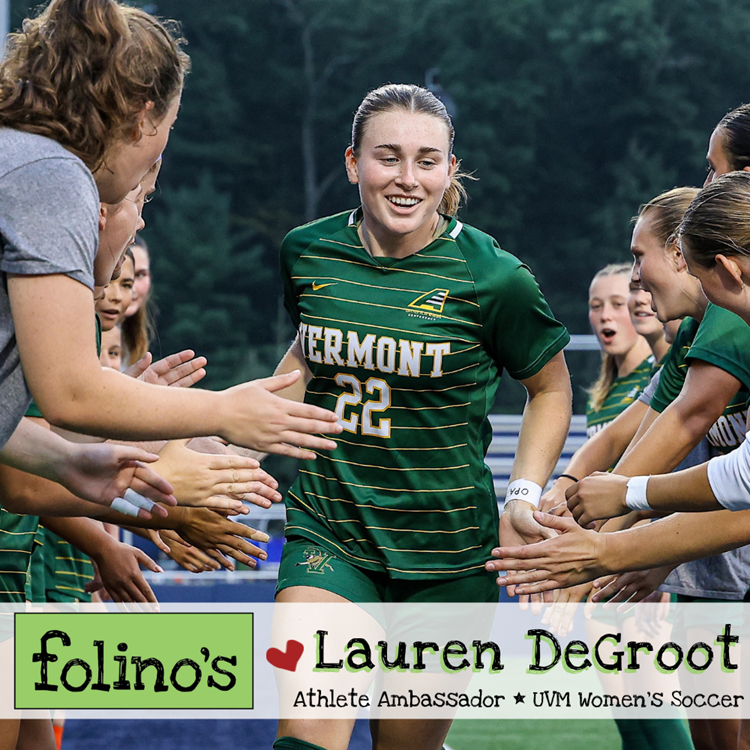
x=569, y=112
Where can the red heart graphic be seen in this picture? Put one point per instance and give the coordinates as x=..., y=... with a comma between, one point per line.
x=286, y=659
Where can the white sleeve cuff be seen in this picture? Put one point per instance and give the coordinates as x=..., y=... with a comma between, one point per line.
x=729, y=477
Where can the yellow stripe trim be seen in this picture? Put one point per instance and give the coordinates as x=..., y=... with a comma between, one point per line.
x=375, y=286
x=384, y=489
x=443, y=427
x=392, y=307
x=391, y=510
x=385, y=448
x=386, y=328
x=390, y=268
x=389, y=468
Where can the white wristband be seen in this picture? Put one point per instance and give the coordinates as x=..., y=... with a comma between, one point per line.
x=635, y=497
x=523, y=489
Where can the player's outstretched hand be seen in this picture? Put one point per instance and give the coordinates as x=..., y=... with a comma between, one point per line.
x=215, y=481
x=597, y=497
x=558, y=617
x=185, y=555
x=554, y=500
x=104, y=472
x=570, y=559
x=209, y=531
x=121, y=575
x=255, y=417
x=629, y=588
x=180, y=370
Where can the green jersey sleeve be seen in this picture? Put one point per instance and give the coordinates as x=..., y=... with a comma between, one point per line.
x=723, y=339
x=520, y=331
x=674, y=369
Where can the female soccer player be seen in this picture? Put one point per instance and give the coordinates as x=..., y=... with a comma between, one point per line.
x=109, y=116
x=627, y=361
x=406, y=318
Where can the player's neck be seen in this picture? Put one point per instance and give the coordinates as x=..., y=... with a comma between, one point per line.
x=381, y=243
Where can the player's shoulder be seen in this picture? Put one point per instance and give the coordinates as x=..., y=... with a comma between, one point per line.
x=487, y=260
x=300, y=238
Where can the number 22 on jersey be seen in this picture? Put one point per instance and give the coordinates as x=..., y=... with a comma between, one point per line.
x=354, y=398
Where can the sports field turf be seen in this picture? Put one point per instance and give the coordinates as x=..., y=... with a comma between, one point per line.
x=533, y=735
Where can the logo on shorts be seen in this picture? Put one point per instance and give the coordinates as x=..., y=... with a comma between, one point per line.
x=316, y=560
x=317, y=287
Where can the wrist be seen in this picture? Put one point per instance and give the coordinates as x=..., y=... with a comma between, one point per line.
x=524, y=490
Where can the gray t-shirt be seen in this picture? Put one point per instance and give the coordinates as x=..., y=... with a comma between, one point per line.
x=724, y=576
x=49, y=224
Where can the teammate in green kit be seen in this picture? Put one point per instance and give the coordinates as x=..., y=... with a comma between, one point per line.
x=627, y=360
x=406, y=318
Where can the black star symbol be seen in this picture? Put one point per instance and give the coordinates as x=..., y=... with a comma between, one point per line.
x=519, y=698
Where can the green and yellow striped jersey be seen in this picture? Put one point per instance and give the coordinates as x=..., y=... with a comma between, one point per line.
x=409, y=353
x=16, y=544
x=721, y=339
x=621, y=394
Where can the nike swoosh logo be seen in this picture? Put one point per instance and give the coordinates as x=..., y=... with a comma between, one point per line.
x=316, y=287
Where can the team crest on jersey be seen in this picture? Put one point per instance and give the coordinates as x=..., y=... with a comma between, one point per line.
x=432, y=302
x=316, y=560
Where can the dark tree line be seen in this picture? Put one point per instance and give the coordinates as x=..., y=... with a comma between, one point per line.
x=569, y=114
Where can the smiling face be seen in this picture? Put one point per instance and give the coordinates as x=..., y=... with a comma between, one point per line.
x=402, y=168
x=127, y=161
x=609, y=316
x=117, y=297
x=642, y=315
x=662, y=272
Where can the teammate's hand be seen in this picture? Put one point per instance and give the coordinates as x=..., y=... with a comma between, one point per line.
x=211, y=532
x=121, y=576
x=101, y=472
x=518, y=526
x=570, y=559
x=185, y=555
x=629, y=588
x=180, y=370
x=558, y=617
x=597, y=497
x=215, y=481
x=256, y=418
x=554, y=501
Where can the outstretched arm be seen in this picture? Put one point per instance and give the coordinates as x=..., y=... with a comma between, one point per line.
x=579, y=555
x=546, y=420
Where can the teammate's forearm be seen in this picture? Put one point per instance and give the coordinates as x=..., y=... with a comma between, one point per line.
x=603, y=450
x=679, y=538
x=669, y=439
x=686, y=491
x=83, y=533
x=35, y=450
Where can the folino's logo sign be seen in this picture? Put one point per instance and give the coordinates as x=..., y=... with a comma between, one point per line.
x=122, y=660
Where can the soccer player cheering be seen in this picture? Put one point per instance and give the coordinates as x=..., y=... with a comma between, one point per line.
x=406, y=318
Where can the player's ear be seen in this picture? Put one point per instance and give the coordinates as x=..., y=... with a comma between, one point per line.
x=351, y=165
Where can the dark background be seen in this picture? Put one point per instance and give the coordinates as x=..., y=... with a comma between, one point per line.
x=569, y=112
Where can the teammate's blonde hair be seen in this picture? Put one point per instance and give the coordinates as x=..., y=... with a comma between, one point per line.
x=82, y=72
x=412, y=98
x=666, y=211
x=608, y=370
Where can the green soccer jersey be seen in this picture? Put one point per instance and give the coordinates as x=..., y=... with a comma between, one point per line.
x=620, y=395
x=721, y=339
x=409, y=353
x=66, y=570
x=16, y=544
